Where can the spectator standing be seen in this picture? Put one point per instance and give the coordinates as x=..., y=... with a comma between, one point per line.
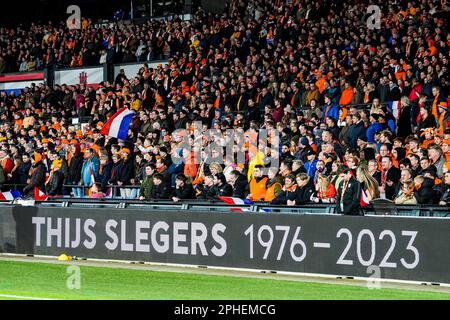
x=348, y=194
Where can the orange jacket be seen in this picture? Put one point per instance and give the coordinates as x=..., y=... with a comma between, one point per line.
x=346, y=96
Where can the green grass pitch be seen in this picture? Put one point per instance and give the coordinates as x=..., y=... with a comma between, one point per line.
x=44, y=280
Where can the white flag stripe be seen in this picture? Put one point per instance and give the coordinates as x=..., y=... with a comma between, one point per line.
x=115, y=125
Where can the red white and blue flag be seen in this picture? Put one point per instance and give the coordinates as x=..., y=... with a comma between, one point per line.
x=364, y=200
x=239, y=201
x=118, y=125
x=234, y=200
x=10, y=195
x=395, y=107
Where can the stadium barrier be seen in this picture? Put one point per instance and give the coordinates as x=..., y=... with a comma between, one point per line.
x=401, y=248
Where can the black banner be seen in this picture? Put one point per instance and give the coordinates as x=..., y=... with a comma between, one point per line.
x=416, y=249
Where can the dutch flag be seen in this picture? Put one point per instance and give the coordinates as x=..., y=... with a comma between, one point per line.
x=364, y=200
x=118, y=125
x=10, y=195
x=234, y=200
x=239, y=201
x=395, y=107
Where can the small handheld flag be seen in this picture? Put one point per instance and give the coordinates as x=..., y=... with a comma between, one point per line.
x=39, y=195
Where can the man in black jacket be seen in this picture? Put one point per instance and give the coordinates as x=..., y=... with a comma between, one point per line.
x=222, y=186
x=126, y=174
x=23, y=170
x=390, y=177
x=56, y=179
x=75, y=166
x=210, y=191
x=348, y=194
x=183, y=190
x=305, y=189
x=37, y=178
x=162, y=188
x=424, y=193
x=355, y=131
x=287, y=195
x=240, y=184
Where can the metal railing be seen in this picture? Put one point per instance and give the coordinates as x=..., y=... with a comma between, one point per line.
x=257, y=207
x=376, y=207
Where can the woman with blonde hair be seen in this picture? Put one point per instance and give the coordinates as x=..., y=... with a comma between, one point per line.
x=406, y=195
x=369, y=186
x=325, y=191
x=215, y=168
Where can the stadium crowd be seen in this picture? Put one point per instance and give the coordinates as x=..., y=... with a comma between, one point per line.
x=362, y=113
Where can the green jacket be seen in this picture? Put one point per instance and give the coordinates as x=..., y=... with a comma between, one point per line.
x=147, y=188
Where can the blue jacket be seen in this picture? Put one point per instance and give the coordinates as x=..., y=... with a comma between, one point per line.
x=333, y=112
x=86, y=173
x=374, y=127
x=174, y=169
x=311, y=168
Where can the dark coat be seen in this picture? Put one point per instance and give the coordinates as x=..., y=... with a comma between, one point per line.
x=55, y=184
x=241, y=187
x=162, y=191
x=445, y=194
x=303, y=194
x=126, y=173
x=186, y=192
x=404, y=122
x=354, y=132
x=22, y=172
x=393, y=174
x=426, y=193
x=74, y=174
x=209, y=193
x=115, y=172
x=37, y=179
x=284, y=196
x=350, y=199
x=225, y=190
x=429, y=122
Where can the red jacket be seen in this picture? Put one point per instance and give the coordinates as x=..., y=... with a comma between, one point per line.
x=7, y=165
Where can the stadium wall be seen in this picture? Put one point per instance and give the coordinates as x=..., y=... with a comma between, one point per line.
x=402, y=248
x=91, y=76
x=17, y=81
x=131, y=69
